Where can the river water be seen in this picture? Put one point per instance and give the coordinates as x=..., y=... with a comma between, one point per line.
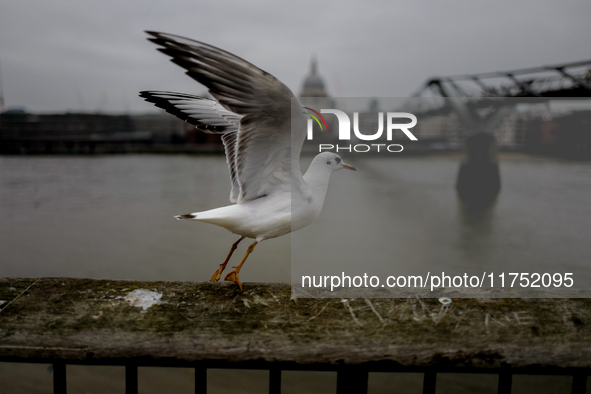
x=112, y=217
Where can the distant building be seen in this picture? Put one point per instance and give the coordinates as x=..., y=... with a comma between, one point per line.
x=23, y=132
x=21, y=124
x=313, y=93
x=164, y=127
x=566, y=135
x=374, y=105
x=510, y=134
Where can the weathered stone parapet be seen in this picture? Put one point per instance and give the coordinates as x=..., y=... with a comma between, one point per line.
x=104, y=321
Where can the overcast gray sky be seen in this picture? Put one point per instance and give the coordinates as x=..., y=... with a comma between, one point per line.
x=58, y=55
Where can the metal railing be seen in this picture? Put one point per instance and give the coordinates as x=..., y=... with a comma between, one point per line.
x=350, y=379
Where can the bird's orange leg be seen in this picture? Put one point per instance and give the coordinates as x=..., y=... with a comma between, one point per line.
x=216, y=275
x=233, y=275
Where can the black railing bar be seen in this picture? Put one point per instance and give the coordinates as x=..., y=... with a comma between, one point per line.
x=200, y=380
x=429, y=382
x=579, y=384
x=352, y=379
x=334, y=368
x=275, y=381
x=505, y=382
x=291, y=366
x=131, y=382
x=59, y=378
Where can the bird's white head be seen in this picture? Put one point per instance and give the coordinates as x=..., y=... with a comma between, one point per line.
x=332, y=162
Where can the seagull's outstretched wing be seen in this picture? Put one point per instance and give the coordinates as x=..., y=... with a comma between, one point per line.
x=206, y=115
x=263, y=146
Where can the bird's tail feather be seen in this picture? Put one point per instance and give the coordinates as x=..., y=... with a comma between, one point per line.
x=223, y=216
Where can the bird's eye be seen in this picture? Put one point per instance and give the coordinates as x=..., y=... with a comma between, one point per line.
x=337, y=159
x=328, y=162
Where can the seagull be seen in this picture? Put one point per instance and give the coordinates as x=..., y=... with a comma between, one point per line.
x=252, y=112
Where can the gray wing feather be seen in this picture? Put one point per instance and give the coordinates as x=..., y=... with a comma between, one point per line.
x=263, y=143
x=208, y=116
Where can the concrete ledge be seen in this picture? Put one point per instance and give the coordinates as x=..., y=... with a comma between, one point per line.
x=93, y=321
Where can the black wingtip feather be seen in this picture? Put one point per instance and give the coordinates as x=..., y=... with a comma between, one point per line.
x=187, y=216
x=161, y=102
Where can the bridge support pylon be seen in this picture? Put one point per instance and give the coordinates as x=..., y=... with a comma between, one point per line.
x=479, y=180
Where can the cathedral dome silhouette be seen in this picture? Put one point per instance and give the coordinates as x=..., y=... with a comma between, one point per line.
x=313, y=83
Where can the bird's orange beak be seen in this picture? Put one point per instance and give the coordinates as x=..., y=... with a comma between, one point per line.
x=349, y=167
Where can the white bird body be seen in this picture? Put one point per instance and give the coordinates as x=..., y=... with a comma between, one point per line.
x=263, y=129
x=261, y=219
x=276, y=214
